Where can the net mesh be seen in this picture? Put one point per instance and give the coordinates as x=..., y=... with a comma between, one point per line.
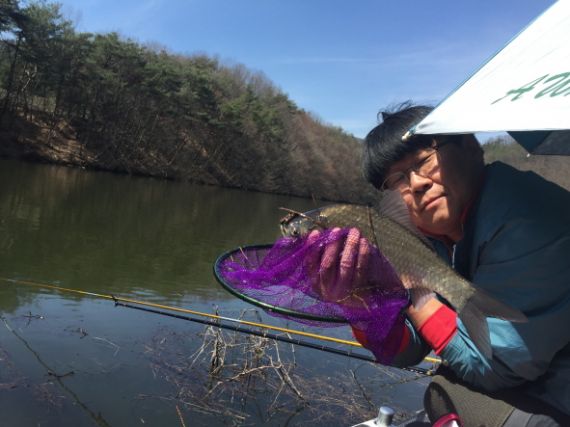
x=286, y=278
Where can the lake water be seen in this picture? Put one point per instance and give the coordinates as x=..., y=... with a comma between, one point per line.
x=68, y=359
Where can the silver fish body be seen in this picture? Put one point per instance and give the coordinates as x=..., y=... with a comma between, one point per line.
x=415, y=261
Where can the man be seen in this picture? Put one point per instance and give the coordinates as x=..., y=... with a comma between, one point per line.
x=507, y=232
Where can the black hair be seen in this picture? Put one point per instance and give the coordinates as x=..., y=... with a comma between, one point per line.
x=383, y=146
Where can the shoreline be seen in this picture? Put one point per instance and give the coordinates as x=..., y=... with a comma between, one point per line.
x=26, y=143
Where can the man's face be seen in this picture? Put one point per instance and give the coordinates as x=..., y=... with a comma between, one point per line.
x=436, y=202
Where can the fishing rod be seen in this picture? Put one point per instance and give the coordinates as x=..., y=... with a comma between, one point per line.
x=159, y=309
x=269, y=335
x=184, y=310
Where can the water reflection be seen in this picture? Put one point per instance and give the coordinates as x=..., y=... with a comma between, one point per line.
x=125, y=234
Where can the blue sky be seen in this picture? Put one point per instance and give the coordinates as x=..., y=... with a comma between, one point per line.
x=342, y=60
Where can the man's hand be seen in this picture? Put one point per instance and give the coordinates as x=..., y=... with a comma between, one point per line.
x=342, y=268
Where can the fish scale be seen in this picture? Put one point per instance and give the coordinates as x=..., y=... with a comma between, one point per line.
x=414, y=260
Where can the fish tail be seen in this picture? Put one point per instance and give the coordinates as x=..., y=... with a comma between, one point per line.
x=476, y=324
x=491, y=307
x=474, y=317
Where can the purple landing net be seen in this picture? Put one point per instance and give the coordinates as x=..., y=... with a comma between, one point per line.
x=287, y=279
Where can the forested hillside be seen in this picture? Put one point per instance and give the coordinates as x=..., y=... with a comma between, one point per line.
x=105, y=102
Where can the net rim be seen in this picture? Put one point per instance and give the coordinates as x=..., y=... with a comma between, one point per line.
x=268, y=307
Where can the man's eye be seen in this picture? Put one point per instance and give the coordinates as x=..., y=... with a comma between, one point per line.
x=398, y=179
x=423, y=162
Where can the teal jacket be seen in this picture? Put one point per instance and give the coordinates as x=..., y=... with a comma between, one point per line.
x=516, y=246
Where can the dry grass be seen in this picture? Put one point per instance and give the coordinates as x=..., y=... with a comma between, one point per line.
x=243, y=380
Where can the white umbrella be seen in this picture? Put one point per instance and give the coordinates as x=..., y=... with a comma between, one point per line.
x=524, y=89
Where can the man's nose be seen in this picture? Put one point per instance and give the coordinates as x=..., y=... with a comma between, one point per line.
x=419, y=183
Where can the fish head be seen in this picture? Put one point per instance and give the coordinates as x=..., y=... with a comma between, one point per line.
x=297, y=224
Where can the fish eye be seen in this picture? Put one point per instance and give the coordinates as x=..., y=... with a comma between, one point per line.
x=287, y=218
x=322, y=220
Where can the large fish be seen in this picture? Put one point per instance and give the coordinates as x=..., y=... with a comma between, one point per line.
x=413, y=258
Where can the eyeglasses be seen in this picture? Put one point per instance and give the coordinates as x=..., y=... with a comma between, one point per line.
x=426, y=168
